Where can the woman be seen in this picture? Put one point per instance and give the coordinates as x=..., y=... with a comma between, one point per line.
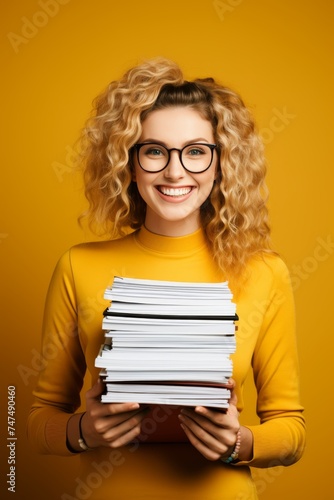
x=181, y=165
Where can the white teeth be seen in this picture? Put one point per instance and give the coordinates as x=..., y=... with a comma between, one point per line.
x=175, y=192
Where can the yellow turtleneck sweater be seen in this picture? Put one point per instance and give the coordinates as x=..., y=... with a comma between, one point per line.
x=163, y=465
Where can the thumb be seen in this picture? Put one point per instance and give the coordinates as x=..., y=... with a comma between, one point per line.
x=95, y=391
x=233, y=397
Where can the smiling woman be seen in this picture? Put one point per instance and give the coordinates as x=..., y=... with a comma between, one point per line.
x=182, y=165
x=174, y=195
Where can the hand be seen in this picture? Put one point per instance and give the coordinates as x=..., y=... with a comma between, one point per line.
x=213, y=433
x=111, y=425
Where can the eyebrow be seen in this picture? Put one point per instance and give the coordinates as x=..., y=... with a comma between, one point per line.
x=162, y=143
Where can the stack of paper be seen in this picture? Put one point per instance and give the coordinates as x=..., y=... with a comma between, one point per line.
x=168, y=342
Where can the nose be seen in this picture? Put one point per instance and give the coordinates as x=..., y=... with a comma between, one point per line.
x=174, y=168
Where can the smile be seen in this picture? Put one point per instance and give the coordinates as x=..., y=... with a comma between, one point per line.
x=174, y=192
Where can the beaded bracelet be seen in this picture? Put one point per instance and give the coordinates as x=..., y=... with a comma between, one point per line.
x=235, y=453
x=81, y=441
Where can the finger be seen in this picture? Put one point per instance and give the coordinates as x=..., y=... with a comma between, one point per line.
x=121, y=408
x=202, y=414
x=94, y=394
x=105, y=421
x=98, y=410
x=231, y=384
x=209, y=432
x=126, y=438
x=96, y=390
x=233, y=398
x=199, y=445
x=112, y=434
x=212, y=441
x=228, y=419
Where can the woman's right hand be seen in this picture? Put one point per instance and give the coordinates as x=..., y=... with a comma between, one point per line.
x=110, y=424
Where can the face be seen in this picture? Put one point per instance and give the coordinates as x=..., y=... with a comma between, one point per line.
x=174, y=195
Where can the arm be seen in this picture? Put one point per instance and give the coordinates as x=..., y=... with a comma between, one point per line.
x=57, y=394
x=280, y=437
x=53, y=424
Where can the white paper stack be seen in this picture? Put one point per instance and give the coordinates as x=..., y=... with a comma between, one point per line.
x=168, y=342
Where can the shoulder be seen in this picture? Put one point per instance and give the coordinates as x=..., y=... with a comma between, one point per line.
x=270, y=271
x=270, y=265
x=88, y=268
x=91, y=255
x=267, y=286
x=274, y=262
x=99, y=249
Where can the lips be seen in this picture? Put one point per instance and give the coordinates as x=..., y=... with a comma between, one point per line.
x=174, y=192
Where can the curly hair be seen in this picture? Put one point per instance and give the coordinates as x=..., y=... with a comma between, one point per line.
x=235, y=216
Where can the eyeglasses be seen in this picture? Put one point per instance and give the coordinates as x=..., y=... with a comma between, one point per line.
x=195, y=158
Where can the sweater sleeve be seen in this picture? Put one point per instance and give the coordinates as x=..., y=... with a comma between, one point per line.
x=279, y=439
x=57, y=394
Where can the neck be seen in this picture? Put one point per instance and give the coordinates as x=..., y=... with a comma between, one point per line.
x=175, y=230
x=172, y=228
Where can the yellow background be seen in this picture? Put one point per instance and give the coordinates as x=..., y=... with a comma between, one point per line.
x=278, y=54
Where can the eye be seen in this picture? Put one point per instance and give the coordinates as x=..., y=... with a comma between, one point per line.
x=195, y=150
x=154, y=151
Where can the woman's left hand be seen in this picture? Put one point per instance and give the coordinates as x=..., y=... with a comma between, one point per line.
x=213, y=433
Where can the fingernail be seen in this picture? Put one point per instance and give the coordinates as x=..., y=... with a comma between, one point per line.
x=200, y=409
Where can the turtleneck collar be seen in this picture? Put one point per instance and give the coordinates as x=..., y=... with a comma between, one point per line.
x=171, y=244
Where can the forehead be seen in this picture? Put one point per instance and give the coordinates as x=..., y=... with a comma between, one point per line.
x=176, y=125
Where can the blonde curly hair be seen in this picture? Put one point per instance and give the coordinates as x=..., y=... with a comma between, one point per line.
x=235, y=216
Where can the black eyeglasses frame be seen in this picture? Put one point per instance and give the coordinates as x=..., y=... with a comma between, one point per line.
x=139, y=145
